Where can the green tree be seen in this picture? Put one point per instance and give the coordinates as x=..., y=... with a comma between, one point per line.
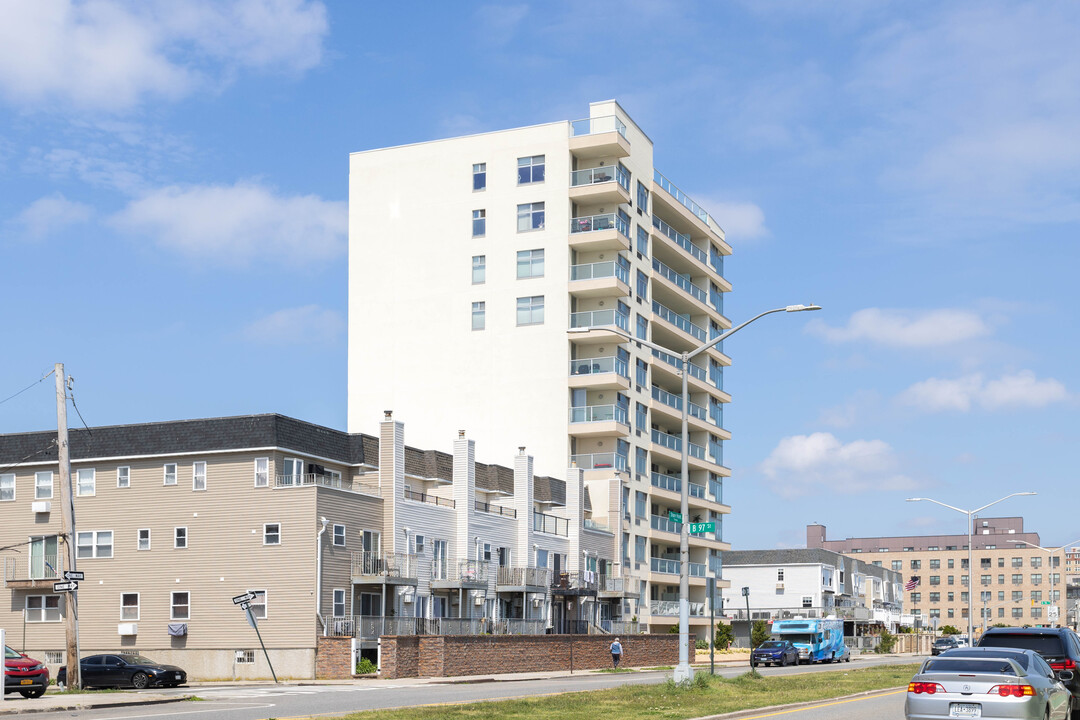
x=888, y=642
x=759, y=633
x=724, y=636
x=950, y=630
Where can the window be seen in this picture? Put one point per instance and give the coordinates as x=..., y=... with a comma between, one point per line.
x=641, y=417
x=42, y=608
x=1017, y=595
x=123, y=477
x=935, y=597
x=642, y=285
x=1001, y=579
x=478, y=309
x=531, y=169
x=1001, y=562
x=479, y=223
x=7, y=487
x=935, y=612
x=371, y=541
x=504, y=557
x=951, y=613
x=339, y=602
x=642, y=372
x=950, y=579
x=1001, y=596
x=1036, y=596
x=1017, y=579
x=950, y=563
x=1036, y=612
x=144, y=539
x=272, y=534
x=935, y=564
x=170, y=473
x=641, y=461
x=94, y=544
x=486, y=552
x=245, y=657
x=530, y=310
x=916, y=597
x=935, y=579
x=180, y=606
x=916, y=564
x=180, y=537
x=1036, y=562
x=541, y=558
x=530, y=264
x=129, y=606
x=87, y=481
x=1018, y=562
x=643, y=241
x=530, y=216
x=985, y=579
x=642, y=197
x=418, y=544
x=479, y=269
x=198, y=475
x=963, y=597
x=479, y=176
x=262, y=472
x=639, y=548
x=898, y=565
x=43, y=485
x=339, y=535
x=640, y=503
x=642, y=328
x=258, y=604
x=952, y=596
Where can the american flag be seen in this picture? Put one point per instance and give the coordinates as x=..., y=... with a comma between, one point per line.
x=912, y=583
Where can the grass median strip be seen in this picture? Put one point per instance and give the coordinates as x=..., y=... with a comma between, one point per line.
x=706, y=696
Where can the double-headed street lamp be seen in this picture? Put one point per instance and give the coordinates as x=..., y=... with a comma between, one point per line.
x=1053, y=583
x=971, y=570
x=683, y=672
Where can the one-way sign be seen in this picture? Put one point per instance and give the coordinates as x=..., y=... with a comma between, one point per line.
x=74, y=575
x=65, y=586
x=245, y=598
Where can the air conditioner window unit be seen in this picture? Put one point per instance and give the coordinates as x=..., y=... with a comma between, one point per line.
x=41, y=506
x=479, y=600
x=127, y=629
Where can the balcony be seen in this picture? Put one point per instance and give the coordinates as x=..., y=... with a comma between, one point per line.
x=596, y=186
x=601, y=279
x=495, y=509
x=550, y=524
x=601, y=373
x=609, y=231
x=590, y=524
x=387, y=568
x=681, y=240
x=305, y=479
x=611, y=586
x=672, y=365
x=574, y=583
x=519, y=578
x=670, y=608
x=597, y=320
x=680, y=281
x=675, y=200
x=599, y=461
x=33, y=571
x=460, y=574
x=674, y=444
x=428, y=498
x=599, y=420
x=662, y=524
x=682, y=323
x=666, y=566
x=599, y=137
x=673, y=401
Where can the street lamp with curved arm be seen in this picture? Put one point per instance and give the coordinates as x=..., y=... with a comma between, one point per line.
x=971, y=571
x=683, y=671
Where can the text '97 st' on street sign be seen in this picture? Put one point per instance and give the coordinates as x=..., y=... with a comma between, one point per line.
x=702, y=527
x=245, y=598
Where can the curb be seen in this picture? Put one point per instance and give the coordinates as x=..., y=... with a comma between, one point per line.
x=91, y=704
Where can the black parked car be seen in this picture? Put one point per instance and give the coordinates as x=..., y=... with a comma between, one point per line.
x=944, y=643
x=774, y=652
x=125, y=671
x=1060, y=647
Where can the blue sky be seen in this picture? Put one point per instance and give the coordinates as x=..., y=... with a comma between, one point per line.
x=173, y=220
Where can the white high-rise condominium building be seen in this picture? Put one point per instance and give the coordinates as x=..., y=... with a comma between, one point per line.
x=470, y=258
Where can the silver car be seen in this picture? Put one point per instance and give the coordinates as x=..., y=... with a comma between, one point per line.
x=988, y=683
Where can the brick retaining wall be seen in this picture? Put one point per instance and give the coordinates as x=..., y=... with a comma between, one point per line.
x=456, y=655
x=333, y=658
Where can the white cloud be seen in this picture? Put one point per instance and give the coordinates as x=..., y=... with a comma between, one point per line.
x=803, y=464
x=897, y=328
x=108, y=55
x=239, y=224
x=741, y=221
x=1020, y=390
x=303, y=325
x=51, y=214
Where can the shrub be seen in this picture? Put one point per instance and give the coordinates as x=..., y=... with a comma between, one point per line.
x=700, y=644
x=888, y=642
x=724, y=636
x=950, y=630
x=365, y=667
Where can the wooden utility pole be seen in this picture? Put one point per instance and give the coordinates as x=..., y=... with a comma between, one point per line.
x=67, y=528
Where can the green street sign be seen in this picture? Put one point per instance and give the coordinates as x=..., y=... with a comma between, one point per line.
x=674, y=516
x=702, y=527
x=1045, y=602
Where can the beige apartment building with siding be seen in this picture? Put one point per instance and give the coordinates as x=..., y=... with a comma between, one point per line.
x=335, y=533
x=1014, y=583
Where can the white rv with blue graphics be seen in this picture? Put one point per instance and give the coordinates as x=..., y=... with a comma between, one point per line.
x=818, y=640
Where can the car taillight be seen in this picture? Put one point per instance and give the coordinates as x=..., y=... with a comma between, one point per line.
x=924, y=687
x=1012, y=690
x=1064, y=665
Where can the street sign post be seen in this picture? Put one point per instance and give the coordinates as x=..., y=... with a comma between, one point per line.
x=704, y=527
x=74, y=575
x=244, y=601
x=69, y=586
x=1052, y=613
x=673, y=516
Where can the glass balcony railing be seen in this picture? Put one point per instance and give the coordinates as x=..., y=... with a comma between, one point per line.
x=593, y=271
x=697, y=451
x=666, y=482
x=680, y=239
x=696, y=490
x=658, y=522
x=681, y=280
x=598, y=366
x=686, y=202
x=599, y=319
x=674, y=401
x=599, y=413
x=596, y=176
x=599, y=461
x=542, y=522
x=671, y=442
x=593, y=126
x=663, y=565
x=606, y=221
x=697, y=332
x=695, y=371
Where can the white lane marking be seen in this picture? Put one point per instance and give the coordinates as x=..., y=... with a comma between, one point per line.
x=243, y=706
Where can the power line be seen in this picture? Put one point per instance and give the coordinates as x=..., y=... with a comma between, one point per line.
x=12, y=397
x=47, y=448
x=71, y=388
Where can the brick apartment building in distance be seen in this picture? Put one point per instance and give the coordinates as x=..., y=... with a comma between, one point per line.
x=1014, y=583
x=469, y=260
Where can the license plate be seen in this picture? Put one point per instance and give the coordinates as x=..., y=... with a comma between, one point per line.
x=965, y=710
x=27, y=681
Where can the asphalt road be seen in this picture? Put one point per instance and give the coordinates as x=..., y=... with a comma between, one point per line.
x=257, y=702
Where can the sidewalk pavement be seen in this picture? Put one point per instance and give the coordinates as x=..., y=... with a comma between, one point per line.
x=52, y=701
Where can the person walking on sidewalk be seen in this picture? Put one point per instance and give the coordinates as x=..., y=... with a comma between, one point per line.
x=616, y=653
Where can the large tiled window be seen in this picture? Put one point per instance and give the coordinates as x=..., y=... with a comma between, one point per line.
x=530, y=216
x=478, y=315
x=530, y=170
x=530, y=263
x=530, y=310
x=479, y=176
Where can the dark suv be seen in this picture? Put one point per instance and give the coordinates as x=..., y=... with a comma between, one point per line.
x=944, y=643
x=1060, y=647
